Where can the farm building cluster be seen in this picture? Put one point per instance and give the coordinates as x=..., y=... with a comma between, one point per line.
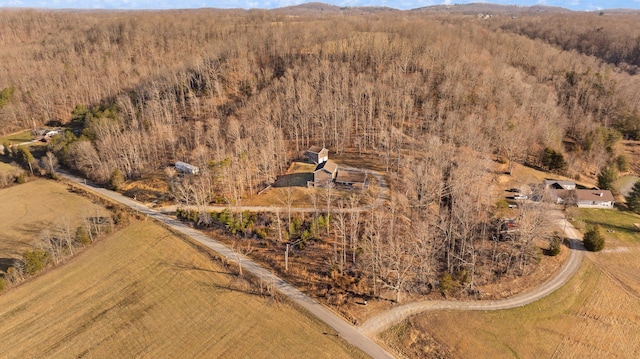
x=327, y=171
x=566, y=192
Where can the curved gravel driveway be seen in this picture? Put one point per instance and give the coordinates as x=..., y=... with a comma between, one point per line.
x=388, y=318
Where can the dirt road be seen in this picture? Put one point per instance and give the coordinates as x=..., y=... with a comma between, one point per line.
x=382, y=196
x=386, y=319
x=342, y=328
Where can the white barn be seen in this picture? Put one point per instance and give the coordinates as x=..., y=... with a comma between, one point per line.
x=187, y=168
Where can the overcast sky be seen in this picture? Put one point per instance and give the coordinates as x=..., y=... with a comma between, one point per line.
x=588, y=5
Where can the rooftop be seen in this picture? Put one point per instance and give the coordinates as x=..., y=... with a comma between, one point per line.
x=315, y=149
x=598, y=195
x=328, y=166
x=351, y=176
x=563, y=184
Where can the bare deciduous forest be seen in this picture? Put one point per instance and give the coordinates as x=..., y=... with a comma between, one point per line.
x=436, y=99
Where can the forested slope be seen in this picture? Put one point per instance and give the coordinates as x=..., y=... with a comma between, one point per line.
x=612, y=37
x=436, y=99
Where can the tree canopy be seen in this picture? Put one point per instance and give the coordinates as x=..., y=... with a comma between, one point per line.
x=593, y=239
x=633, y=198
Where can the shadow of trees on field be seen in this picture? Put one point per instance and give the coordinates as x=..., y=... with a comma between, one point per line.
x=604, y=225
x=246, y=285
x=294, y=180
x=6, y=263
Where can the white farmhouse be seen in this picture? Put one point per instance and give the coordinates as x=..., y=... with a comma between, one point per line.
x=594, y=198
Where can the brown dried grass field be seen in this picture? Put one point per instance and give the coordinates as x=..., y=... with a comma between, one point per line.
x=26, y=210
x=143, y=292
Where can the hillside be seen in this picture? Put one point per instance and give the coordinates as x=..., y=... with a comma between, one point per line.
x=612, y=36
x=442, y=105
x=491, y=9
x=318, y=8
x=145, y=293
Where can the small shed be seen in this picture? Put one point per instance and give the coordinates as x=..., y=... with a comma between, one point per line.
x=317, y=154
x=187, y=168
x=356, y=179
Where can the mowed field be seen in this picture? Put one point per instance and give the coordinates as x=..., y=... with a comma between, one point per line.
x=144, y=293
x=595, y=315
x=29, y=209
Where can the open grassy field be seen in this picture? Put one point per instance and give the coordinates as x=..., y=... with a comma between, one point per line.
x=19, y=137
x=145, y=293
x=617, y=226
x=592, y=316
x=30, y=208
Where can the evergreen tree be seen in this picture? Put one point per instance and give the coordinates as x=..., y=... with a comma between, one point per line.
x=35, y=260
x=607, y=178
x=83, y=236
x=5, y=95
x=26, y=158
x=623, y=163
x=633, y=199
x=553, y=160
x=593, y=239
